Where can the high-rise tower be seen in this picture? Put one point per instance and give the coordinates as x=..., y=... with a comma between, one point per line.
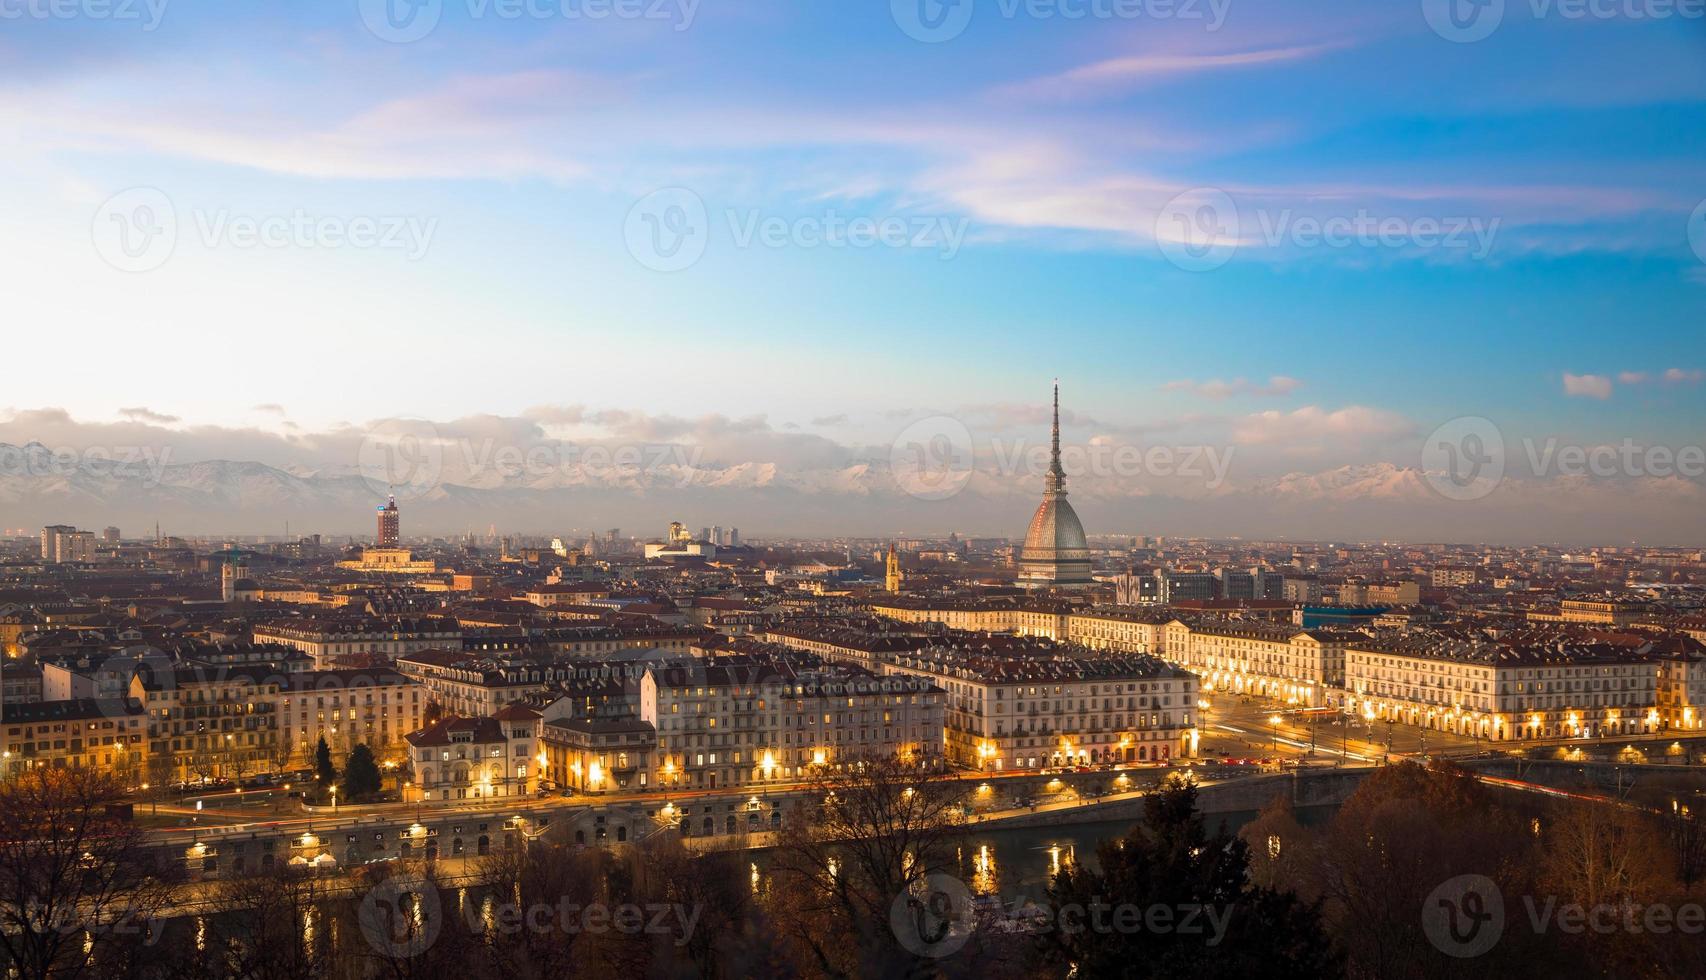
x=1056, y=552
x=390, y=527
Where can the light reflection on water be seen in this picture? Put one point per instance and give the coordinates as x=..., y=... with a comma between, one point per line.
x=1020, y=863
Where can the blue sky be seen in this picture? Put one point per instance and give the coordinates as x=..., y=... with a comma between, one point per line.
x=1039, y=165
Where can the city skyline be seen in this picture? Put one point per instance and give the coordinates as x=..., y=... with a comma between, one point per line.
x=1159, y=199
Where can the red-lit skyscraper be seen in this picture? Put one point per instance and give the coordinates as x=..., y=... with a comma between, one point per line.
x=389, y=536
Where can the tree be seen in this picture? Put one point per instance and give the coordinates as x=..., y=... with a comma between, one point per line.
x=269, y=925
x=1169, y=865
x=324, y=772
x=239, y=763
x=1407, y=831
x=361, y=774
x=1601, y=854
x=279, y=753
x=882, y=827
x=1279, y=846
x=1688, y=837
x=75, y=875
x=203, y=763
x=162, y=768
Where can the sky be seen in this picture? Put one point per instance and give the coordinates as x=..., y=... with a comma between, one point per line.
x=1326, y=239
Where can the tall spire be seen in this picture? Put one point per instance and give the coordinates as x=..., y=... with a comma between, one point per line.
x=1055, y=482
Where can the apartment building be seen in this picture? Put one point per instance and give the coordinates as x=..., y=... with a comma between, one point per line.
x=864, y=644
x=376, y=707
x=1288, y=663
x=1058, y=707
x=456, y=759
x=1601, y=610
x=211, y=722
x=1124, y=629
x=1024, y=616
x=739, y=724
x=328, y=639
x=82, y=733
x=1521, y=687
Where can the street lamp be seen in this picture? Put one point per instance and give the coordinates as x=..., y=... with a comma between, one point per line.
x=334, y=797
x=1274, y=720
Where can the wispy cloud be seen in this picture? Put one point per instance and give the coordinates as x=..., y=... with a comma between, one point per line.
x=147, y=415
x=1113, y=75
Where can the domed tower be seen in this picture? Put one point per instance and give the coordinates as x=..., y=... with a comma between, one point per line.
x=1056, y=552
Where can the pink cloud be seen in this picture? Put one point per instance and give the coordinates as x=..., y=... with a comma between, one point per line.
x=1587, y=386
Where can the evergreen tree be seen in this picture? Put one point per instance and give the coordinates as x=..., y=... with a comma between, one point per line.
x=324, y=772
x=1172, y=900
x=361, y=774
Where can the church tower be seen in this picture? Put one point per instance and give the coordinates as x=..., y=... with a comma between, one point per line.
x=891, y=581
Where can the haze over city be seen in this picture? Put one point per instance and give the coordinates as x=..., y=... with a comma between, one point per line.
x=935, y=489
x=457, y=228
